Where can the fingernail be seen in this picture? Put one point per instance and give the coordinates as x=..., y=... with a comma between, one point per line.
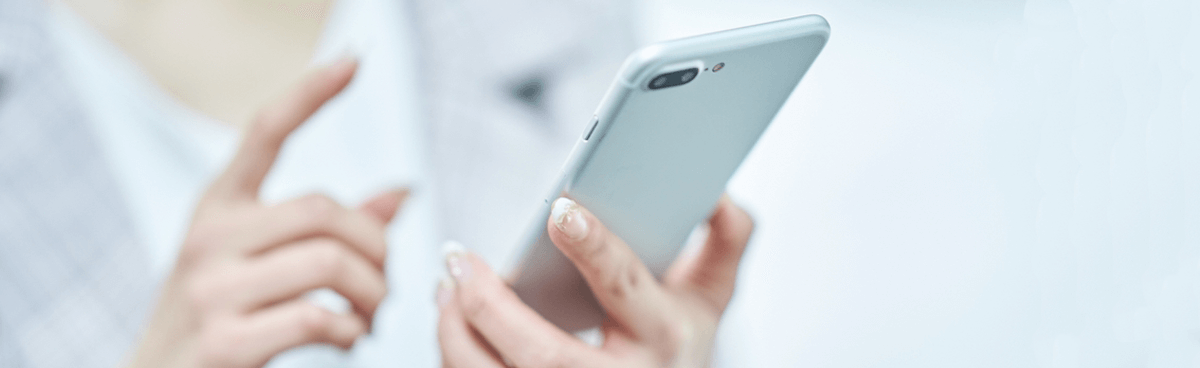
x=568, y=219
x=456, y=262
x=445, y=292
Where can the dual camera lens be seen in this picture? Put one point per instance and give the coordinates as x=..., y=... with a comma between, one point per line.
x=680, y=77
x=673, y=79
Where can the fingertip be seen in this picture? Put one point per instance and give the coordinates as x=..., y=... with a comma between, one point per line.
x=454, y=249
x=274, y=123
x=344, y=67
x=731, y=219
x=362, y=325
x=384, y=206
x=569, y=222
x=348, y=332
x=374, y=307
x=338, y=329
x=328, y=81
x=724, y=205
x=460, y=263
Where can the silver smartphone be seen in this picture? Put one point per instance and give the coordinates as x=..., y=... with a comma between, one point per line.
x=675, y=125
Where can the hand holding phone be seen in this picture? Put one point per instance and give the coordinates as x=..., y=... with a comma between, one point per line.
x=675, y=125
x=651, y=324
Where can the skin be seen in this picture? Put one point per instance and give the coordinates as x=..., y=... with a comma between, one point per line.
x=650, y=323
x=235, y=296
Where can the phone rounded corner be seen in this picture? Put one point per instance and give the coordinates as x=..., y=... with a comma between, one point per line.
x=640, y=63
x=821, y=28
x=820, y=24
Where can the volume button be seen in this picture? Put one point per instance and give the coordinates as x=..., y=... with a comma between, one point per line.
x=595, y=122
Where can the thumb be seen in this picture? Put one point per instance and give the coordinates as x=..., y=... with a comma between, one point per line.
x=712, y=272
x=383, y=206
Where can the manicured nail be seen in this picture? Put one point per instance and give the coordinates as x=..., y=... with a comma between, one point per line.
x=568, y=219
x=456, y=262
x=445, y=292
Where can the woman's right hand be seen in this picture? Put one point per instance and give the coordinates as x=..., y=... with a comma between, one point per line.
x=234, y=298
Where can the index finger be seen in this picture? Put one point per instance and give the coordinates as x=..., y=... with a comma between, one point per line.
x=261, y=144
x=622, y=284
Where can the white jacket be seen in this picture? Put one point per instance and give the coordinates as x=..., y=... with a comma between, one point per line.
x=508, y=85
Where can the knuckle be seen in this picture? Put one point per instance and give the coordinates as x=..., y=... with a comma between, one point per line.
x=621, y=282
x=319, y=208
x=202, y=291
x=611, y=272
x=267, y=124
x=327, y=260
x=210, y=233
x=201, y=240
x=595, y=256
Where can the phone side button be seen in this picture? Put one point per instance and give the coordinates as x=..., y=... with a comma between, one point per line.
x=595, y=122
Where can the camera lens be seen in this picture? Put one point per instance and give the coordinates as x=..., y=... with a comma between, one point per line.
x=675, y=78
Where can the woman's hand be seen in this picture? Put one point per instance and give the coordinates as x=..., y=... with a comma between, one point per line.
x=649, y=324
x=234, y=298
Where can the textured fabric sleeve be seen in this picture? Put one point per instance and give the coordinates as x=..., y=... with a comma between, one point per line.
x=73, y=285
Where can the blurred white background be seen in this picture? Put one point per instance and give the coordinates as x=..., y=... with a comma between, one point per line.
x=983, y=184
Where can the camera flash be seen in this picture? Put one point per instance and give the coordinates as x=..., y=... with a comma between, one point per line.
x=718, y=67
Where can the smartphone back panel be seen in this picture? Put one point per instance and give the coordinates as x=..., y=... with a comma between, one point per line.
x=655, y=161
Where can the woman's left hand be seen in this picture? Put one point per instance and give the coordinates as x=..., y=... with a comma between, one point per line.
x=649, y=323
